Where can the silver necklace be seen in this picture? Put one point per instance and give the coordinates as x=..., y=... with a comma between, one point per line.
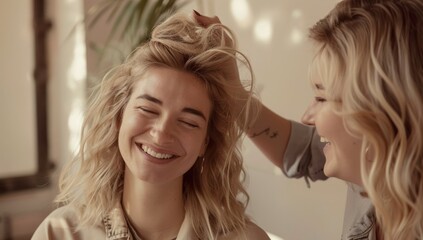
x=132, y=228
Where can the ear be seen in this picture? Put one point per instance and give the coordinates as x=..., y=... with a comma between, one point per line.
x=204, y=147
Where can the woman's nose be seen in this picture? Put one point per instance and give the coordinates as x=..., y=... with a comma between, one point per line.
x=162, y=132
x=309, y=114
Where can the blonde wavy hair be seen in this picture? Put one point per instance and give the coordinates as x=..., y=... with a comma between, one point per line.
x=215, y=198
x=370, y=60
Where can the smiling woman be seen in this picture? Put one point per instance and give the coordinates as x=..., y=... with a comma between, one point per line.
x=159, y=156
x=163, y=131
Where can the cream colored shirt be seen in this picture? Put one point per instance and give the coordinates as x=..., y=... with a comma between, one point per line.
x=61, y=224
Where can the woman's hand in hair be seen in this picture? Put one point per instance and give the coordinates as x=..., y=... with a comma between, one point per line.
x=232, y=68
x=204, y=20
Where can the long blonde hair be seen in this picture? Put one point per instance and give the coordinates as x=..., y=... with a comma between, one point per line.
x=215, y=198
x=370, y=59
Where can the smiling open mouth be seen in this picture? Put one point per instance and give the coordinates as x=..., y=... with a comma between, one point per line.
x=154, y=154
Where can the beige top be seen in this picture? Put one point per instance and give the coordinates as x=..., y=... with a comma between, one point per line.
x=61, y=224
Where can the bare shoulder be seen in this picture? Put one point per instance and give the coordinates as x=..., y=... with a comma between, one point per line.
x=255, y=232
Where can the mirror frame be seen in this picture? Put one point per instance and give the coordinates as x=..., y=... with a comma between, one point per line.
x=41, y=178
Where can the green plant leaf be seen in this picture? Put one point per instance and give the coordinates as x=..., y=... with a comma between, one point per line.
x=141, y=8
x=131, y=22
x=153, y=14
x=158, y=12
x=97, y=11
x=123, y=13
x=132, y=16
x=114, y=10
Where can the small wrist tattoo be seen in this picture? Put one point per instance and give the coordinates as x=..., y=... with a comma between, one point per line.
x=265, y=132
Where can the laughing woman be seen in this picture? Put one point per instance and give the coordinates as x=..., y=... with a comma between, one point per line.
x=159, y=155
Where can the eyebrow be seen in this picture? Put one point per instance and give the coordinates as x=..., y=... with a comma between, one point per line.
x=195, y=112
x=150, y=98
x=186, y=109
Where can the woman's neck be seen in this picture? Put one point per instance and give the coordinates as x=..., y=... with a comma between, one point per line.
x=379, y=232
x=155, y=210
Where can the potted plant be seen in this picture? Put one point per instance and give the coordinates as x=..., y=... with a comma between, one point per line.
x=116, y=27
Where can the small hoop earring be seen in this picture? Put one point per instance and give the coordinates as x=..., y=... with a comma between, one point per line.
x=202, y=164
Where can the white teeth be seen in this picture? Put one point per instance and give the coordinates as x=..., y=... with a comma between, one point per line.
x=151, y=152
x=324, y=140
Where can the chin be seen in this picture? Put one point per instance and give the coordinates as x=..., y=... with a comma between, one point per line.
x=330, y=171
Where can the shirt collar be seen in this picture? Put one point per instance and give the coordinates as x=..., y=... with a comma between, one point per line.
x=366, y=227
x=117, y=228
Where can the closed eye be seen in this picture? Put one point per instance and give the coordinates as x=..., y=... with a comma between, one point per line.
x=191, y=125
x=149, y=111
